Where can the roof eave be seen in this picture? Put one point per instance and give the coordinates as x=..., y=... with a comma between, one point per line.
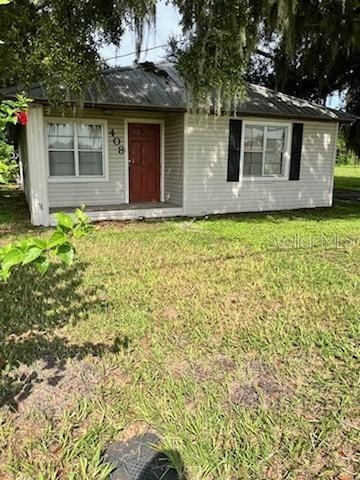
x=286, y=116
x=119, y=106
x=183, y=109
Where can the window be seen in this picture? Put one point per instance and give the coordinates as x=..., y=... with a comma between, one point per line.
x=265, y=150
x=76, y=149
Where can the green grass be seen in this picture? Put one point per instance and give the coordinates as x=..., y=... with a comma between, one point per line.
x=347, y=177
x=235, y=338
x=13, y=213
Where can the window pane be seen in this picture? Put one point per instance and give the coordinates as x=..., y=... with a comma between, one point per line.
x=90, y=137
x=61, y=135
x=254, y=138
x=90, y=163
x=61, y=143
x=275, y=139
x=252, y=164
x=273, y=163
x=61, y=164
x=61, y=129
x=90, y=143
x=272, y=169
x=87, y=130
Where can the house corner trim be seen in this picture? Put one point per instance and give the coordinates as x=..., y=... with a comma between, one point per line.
x=37, y=158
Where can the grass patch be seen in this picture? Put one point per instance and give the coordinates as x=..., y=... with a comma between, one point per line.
x=347, y=177
x=13, y=212
x=235, y=338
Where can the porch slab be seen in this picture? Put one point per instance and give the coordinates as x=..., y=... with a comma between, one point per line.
x=125, y=212
x=122, y=206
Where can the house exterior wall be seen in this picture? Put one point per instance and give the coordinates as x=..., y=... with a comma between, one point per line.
x=111, y=191
x=194, y=169
x=206, y=188
x=174, y=155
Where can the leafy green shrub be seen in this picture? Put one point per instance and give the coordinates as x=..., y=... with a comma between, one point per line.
x=41, y=252
x=36, y=251
x=345, y=156
x=12, y=112
x=8, y=166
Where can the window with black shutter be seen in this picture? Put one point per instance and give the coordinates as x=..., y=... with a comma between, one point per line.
x=234, y=150
x=296, y=147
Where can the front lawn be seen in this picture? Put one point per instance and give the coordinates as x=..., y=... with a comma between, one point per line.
x=235, y=339
x=347, y=177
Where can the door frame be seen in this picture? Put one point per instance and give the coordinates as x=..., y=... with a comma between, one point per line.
x=154, y=121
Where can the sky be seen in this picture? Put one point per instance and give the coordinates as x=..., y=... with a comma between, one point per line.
x=336, y=100
x=167, y=24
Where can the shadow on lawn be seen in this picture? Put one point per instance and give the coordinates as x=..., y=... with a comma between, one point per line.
x=342, y=210
x=14, y=214
x=32, y=307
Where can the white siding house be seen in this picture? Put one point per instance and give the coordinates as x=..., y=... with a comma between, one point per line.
x=145, y=156
x=207, y=191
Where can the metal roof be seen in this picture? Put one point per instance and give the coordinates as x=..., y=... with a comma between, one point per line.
x=159, y=86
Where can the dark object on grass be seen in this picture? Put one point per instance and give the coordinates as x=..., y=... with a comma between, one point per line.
x=347, y=195
x=139, y=459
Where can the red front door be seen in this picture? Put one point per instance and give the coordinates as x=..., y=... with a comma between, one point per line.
x=144, y=162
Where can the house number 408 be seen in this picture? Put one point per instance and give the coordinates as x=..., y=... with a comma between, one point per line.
x=117, y=142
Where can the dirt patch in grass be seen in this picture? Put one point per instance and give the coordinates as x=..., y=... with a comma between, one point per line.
x=169, y=313
x=214, y=367
x=245, y=394
x=259, y=386
x=135, y=429
x=50, y=386
x=178, y=368
x=224, y=362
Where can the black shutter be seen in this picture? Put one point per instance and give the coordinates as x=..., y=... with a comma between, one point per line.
x=296, y=146
x=234, y=148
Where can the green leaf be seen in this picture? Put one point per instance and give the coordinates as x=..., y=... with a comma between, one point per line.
x=9, y=105
x=12, y=258
x=64, y=220
x=7, y=249
x=82, y=229
x=66, y=253
x=81, y=215
x=38, y=242
x=13, y=120
x=4, y=2
x=32, y=254
x=23, y=244
x=42, y=264
x=78, y=232
x=56, y=239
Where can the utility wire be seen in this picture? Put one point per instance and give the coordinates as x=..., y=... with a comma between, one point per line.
x=257, y=51
x=133, y=53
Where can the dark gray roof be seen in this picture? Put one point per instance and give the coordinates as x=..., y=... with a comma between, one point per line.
x=160, y=87
x=264, y=101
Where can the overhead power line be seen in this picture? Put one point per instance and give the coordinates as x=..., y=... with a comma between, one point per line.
x=134, y=52
x=258, y=51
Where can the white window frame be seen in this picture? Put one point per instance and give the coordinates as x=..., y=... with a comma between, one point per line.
x=286, y=153
x=105, y=156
